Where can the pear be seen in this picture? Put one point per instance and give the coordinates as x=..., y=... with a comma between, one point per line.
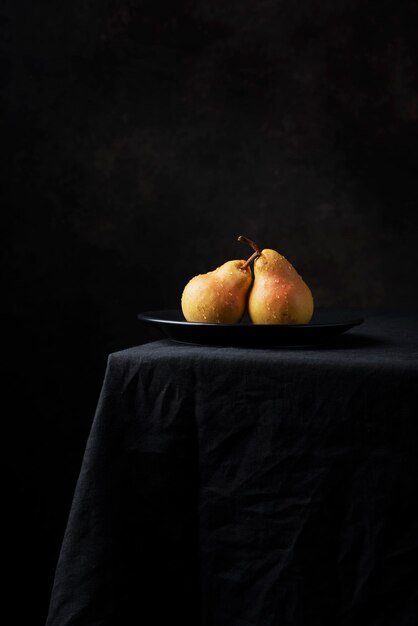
x=278, y=295
x=220, y=296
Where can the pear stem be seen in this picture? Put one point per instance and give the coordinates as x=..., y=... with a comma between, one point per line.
x=250, y=243
x=256, y=253
x=252, y=258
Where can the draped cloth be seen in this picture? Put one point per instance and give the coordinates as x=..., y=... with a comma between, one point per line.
x=242, y=487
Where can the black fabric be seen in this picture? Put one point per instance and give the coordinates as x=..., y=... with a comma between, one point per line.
x=239, y=487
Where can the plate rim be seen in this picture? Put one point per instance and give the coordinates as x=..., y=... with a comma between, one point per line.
x=153, y=317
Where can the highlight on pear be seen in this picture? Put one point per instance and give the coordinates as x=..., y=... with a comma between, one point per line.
x=275, y=294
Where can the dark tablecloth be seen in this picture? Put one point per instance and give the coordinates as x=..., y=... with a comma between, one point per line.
x=242, y=487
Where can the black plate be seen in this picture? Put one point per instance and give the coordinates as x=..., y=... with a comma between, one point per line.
x=325, y=325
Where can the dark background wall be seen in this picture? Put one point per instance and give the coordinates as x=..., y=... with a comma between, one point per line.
x=145, y=136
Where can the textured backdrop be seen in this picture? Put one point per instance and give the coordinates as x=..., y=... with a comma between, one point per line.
x=147, y=135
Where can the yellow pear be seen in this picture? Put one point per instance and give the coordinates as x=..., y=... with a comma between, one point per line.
x=278, y=295
x=220, y=296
